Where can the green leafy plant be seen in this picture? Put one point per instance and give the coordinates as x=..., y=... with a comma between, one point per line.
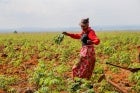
x=81, y=86
x=59, y=38
x=45, y=79
x=5, y=81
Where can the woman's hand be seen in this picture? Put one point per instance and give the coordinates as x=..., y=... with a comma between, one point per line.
x=65, y=33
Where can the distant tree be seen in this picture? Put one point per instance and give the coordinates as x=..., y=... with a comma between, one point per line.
x=15, y=32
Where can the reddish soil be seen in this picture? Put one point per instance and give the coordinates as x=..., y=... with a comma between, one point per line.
x=121, y=78
x=20, y=71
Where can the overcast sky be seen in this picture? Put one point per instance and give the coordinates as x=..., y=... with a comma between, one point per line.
x=68, y=13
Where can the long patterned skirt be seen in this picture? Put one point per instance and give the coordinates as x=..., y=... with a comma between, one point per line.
x=86, y=64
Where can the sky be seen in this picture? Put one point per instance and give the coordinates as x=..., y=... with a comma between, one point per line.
x=68, y=13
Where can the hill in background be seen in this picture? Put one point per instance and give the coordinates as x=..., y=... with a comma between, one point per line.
x=97, y=28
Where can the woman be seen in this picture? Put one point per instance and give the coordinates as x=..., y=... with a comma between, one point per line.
x=85, y=66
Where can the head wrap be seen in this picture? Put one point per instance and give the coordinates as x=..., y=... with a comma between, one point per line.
x=84, y=22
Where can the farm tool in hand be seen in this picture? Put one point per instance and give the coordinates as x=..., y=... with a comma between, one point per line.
x=130, y=69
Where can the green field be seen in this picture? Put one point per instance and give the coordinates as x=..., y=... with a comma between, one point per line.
x=33, y=61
